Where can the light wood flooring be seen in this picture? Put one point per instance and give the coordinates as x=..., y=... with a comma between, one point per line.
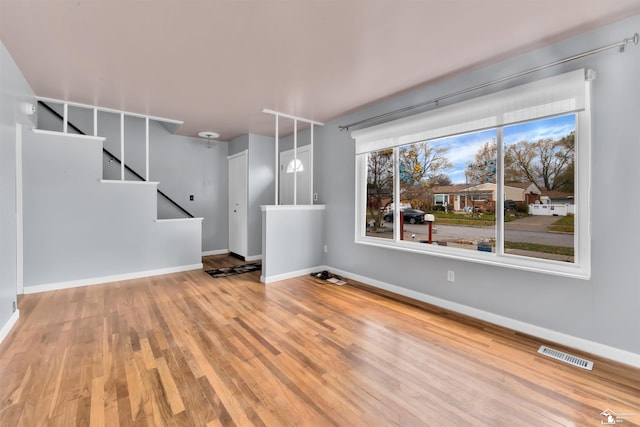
x=189, y=350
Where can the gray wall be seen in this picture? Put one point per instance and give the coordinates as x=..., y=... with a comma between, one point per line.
x=14, y=91
x=293, y=238
x=183, y=166
x=261, y=187
x=604, y=309
x=238, y=144
x=78, y=228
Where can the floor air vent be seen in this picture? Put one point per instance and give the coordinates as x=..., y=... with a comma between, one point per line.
x=566, y=358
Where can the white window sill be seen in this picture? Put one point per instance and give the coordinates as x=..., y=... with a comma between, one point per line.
x=557, y=268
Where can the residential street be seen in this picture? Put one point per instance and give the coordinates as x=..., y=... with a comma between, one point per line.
x=532, y=229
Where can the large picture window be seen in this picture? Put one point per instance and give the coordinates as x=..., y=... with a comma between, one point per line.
x=500, y=179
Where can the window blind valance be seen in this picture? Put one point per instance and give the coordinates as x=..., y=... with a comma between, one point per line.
x=561, y=94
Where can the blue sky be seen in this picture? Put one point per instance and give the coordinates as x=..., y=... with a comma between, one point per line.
x=463, y=148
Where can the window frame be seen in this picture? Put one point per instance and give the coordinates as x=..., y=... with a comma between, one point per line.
x=579, y=269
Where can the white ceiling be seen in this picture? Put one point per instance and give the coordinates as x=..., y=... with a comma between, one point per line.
x=216, y=64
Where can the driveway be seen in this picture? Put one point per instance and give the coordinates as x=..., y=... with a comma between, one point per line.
x=532, y=223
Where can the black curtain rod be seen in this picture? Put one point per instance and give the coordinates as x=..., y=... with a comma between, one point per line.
x=634, y=39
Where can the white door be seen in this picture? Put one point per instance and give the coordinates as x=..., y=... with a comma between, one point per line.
x=238, y=198
x=290, y=168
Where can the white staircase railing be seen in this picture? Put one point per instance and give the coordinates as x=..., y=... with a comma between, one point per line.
x=122, y=114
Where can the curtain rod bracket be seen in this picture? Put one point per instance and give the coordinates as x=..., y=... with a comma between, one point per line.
x=635, y=39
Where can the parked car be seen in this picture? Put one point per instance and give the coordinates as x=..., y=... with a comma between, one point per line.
x=412, y=216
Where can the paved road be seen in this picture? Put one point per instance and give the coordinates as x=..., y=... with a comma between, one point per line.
x=528, y=231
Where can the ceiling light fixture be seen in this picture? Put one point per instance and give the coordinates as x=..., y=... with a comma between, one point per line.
x=210, y=137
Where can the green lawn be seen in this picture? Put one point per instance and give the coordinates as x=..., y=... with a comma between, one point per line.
x=479, y=220
x=564, y=224
x=535, y=247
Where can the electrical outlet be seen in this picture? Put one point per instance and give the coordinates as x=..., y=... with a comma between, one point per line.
x=325, y=249
x=315, y=197
x=451, y=277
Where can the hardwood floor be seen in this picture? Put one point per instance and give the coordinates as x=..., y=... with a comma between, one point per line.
x=189, y=350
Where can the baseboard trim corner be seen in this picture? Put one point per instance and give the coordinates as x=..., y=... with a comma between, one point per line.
x=215, y=252
x=6, y=329
x=290, y=275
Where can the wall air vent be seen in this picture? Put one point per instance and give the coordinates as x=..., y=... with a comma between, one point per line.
x=566, y=358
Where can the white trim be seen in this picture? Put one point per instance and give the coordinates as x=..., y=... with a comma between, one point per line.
x=598, y=349
x=95, y=121
x=289, y=116
x=226, y=251
x=105, y=279
x=146, y=148
x=271, y=208
x=579, y=269
x=6, y=329
x=295, y=157
x=122, y=160
x=291, y=275
x=65, y=118
x=311, y=161
x=178, y=219
x=602, y=350
x=242, y=153
x=117, y=181
x=70, y=135
x=215, y=252
x=535, y=265
x=277, y=160
x=19, y=215
x=108, y=110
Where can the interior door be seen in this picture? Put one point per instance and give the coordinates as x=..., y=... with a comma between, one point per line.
x=238, y=199
x=290, y=168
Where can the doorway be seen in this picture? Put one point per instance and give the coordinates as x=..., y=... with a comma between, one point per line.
x=238, y=201
x=290, y=168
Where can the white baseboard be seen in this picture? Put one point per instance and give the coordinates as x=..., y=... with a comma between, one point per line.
x=602, y=350
x=290, y=275
x=215, y=252
x=598, y=349
x=9, y=325
x=226, y=251
x=105, y=279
